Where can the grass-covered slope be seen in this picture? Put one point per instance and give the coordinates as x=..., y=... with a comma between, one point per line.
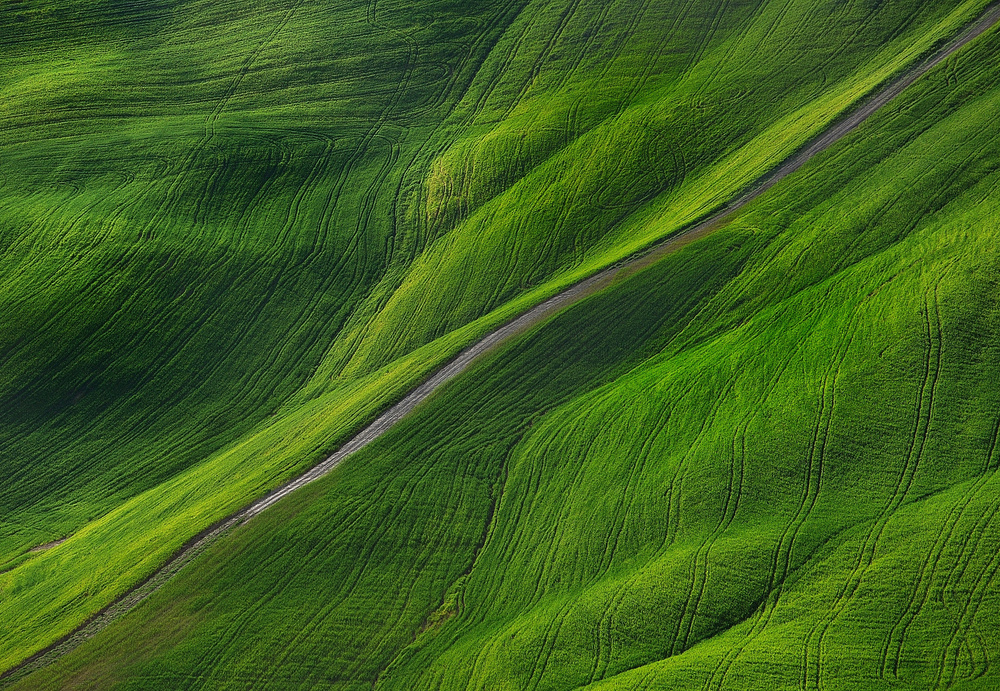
x=766, y=462
x=196, y=198
x=195, y=201
x=232, y=232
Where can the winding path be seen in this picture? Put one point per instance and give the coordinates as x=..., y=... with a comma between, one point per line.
x=570, y=296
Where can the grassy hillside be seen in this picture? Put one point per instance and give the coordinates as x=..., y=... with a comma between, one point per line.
x=233, y=232
x=766, y=462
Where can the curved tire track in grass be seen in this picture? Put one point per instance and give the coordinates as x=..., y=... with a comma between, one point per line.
x=568, y=297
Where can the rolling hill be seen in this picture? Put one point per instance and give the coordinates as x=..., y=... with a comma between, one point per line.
x=234, y=233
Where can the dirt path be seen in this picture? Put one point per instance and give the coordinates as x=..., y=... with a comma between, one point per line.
x=48, y=545
x=452, y=369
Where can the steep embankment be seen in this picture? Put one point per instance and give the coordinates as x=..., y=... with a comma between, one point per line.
x=768, y=461
x=234, y=233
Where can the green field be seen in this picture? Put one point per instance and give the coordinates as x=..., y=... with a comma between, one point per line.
x=234, y=233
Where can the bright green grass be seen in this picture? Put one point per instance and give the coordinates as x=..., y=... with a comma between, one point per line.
x=767, y=462
x=234, y=232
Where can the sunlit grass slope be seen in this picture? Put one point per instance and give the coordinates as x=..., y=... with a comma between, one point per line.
x=234, y=231
x=767, y=462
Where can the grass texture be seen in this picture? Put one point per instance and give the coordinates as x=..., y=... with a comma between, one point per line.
x=233, y=232
x=769, y=461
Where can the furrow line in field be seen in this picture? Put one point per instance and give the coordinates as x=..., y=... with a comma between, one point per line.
x=622, y=508
x=66, y=308
x=597, y=432
x=458, y=86
x=634, y=16
x=509, y=57
x=546, y=51
x=655, y=56
x=922, y=588
x=951, y=652
x=935, y=347
x=675, y=491
x=416, y=567
x=929, y=567
x=813, y=646
x=539, y=589
x=781, y=564
x=963, y=622
x=875, y=219
x=242, y=279
x=970, y=546
x=707, y=37
x=401, y=604
x=548, y=645
x=739, y=38
x=729, y=512
x=618, y=599
x=375, y=535
x=702, y=557
x=846, y=44
x=592, y=32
